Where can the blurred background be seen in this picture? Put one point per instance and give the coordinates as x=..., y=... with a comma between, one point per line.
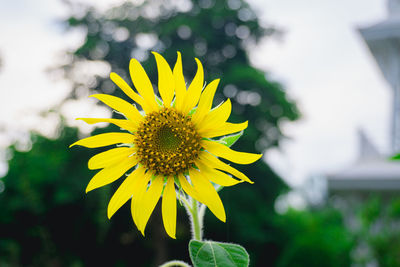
x=317, y=80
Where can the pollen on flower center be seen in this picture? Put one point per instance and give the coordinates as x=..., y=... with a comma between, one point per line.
x=167, y=142
x=167, y=139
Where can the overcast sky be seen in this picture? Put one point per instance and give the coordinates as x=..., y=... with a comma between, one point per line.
x=327, y=68
x=321, y=59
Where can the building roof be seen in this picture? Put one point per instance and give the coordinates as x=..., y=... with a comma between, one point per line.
x=387, y=29
x=370, y=175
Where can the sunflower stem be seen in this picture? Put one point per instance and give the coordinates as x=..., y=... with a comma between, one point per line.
x=186, y=204
x=196, y=215
x=196, y=221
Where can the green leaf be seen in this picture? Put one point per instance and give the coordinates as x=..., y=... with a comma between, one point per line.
x=217, y=254
x=229, y=140
x=396, y=157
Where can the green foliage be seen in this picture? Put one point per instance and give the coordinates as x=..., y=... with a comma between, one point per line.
x=395, y=157
x=214, y=254
x=371, y=210
x=380, y=229
x=386, y=248
x=42, y=184
x=394, y=209
x=47, y=219
x=314, y=238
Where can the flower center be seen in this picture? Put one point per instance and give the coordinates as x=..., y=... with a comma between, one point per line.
x=167, y=142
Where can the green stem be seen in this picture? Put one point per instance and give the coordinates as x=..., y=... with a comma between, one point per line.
x=175, y=263
x=196, y=221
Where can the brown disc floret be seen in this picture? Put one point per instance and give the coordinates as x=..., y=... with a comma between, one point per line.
x=167, y=142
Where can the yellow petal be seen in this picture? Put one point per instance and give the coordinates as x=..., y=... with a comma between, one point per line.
x=129, y=91
x=216, y=117
x=209, y=195
x=124, y=192
x=194, y=90
x=149, y=201
x=213, y=162
x=109, y=157
x=216, y=176
x=105, y=139
x=124, y=124
x=223, y=129
x=166, y=83
x=188, y=188
x=111, y=173
x=180, y=85
x=169, y=207
x=120, y=105
x=225, y=152
x=142, y=84
x=205, y=102
x=138, y=193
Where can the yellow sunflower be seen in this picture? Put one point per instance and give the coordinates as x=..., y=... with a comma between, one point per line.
x=168, y=144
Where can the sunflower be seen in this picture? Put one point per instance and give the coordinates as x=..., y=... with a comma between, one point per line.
x=168, y=144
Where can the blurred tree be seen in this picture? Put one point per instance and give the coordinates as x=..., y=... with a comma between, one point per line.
x=314, y=238
x=219, y=33
x=380, y=230
x=47, y=220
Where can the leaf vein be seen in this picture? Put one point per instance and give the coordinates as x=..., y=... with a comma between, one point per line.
x=227, y=252
x=197, y=254
x=212, y=249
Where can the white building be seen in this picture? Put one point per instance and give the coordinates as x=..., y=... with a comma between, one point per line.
x=374, y=177
x=374, y=172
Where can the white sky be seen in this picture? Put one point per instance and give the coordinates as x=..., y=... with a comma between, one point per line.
x=327, y=68
x=322, y=61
